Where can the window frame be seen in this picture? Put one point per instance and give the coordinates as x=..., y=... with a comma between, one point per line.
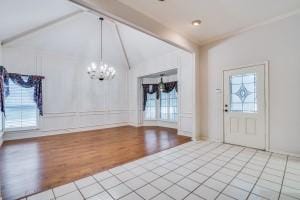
x=17, y=129
x=156, y=111
x=168, y=108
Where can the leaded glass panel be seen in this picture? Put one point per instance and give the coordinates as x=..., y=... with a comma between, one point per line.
x=243, y=93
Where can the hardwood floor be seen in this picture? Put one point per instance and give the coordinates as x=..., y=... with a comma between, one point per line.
x=32, y=165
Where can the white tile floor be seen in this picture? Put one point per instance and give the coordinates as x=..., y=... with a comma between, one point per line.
x=195, y=170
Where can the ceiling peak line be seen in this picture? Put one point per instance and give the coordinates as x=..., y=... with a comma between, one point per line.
x=122, y=45
x=183, y=44
x=39, y=28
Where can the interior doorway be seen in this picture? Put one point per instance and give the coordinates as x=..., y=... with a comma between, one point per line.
x=160, y=99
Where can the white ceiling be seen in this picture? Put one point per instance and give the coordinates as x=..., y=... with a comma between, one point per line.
x=140, y=46
x=75, y=36
x=17, y=16
x=219, y=17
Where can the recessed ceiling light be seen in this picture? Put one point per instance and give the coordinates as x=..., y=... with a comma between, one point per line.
x=196, y=22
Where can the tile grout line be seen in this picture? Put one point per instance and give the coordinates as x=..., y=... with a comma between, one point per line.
x=159, y=176
x=78, y=190
x=250, y=192
x=192, y=171
x=169, y=148
x=104, y=190
x=209, y=152
x=228, y=184
x=113, y=175
x=147, y=183
x=215, y=172
x=163, y=191
x=285, y=167
x=182, y=165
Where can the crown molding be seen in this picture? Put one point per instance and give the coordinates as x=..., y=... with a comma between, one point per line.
x=243, y=30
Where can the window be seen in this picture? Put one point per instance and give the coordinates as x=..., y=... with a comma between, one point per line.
x=150, y=110
x=168, y=106
x=20, y=108
x=243, y=93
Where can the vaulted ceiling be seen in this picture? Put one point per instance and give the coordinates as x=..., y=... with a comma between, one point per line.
x=219, y=17
x=61, y=27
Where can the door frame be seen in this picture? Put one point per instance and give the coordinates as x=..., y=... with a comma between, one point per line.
x=267, y=110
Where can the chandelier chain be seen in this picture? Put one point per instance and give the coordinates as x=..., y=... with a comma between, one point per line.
x=101, y=40
x=101, y=71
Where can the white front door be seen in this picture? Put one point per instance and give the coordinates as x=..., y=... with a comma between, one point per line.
x=245, y=107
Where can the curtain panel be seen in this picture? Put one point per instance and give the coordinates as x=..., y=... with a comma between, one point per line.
x=29, y=81
x=26, y=81
x=153, y=88
x=3, y=90
x=149, y=89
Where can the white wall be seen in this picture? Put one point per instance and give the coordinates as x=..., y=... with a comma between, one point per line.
x=278, y=43
x=72, y=102
x=1, y=133
x=184, y=63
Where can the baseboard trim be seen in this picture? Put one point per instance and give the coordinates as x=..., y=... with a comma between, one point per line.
x=185, y=133
x=159, y=123
x=39, y=133
x=33, y=134
x=134, y=124
x=271, y=150
x=285, y=153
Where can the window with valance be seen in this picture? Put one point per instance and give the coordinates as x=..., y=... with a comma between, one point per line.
x=159, y=105
x=21, y=99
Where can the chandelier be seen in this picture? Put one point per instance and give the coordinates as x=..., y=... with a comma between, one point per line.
x=161, y=84
x=101, y=70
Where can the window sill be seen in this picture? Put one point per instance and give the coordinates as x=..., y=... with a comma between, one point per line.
x=160, y=120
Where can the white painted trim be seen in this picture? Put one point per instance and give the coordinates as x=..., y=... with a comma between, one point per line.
x=267, y=123
x=186, y=133
x=30, y=134
x=204, y=138
x=160, y=123
x=271, y=150
x=285, y=153
x=267, y=104
x=1, y=138
x=134, y=124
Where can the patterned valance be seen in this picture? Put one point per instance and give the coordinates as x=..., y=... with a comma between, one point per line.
x=26, y=81
x=149, y=89
x=169, y=86
x=153, y=88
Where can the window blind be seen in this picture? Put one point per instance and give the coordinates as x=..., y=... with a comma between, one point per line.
x=168, y=106
x=150, y=110
x=20, y=108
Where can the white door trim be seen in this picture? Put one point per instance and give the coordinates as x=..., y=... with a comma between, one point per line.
x=267, y=110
